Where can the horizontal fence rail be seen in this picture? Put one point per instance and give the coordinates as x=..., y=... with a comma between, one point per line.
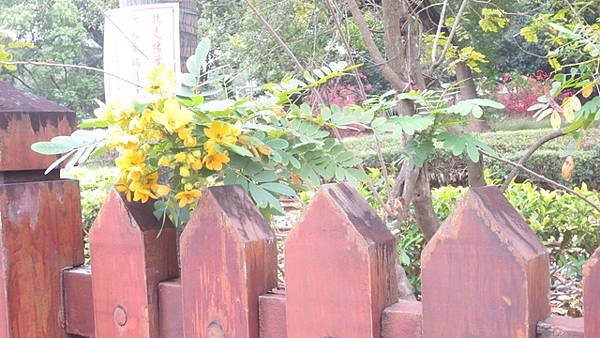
x=484, y=274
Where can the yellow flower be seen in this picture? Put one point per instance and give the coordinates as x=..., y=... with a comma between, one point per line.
x=187, y=197
x=184, y=171
x=161, y=80
x=180, y=157
x=122, y=186
x=129, y=158
x=186, y=136
x=173, y=116
x=159, y=189
x=164, y=161
x=135, y=173
x=214, y=160
x=197, y=164
x=141, y=194
x=222, y=133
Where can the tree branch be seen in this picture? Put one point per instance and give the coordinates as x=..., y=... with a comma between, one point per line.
x=542, y=177
x=453, y=30
x=527, y=155
x=438, y=32
x=63, y=65
x=390, y=75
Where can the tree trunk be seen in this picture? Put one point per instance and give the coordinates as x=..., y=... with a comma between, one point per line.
x=188, y=24
x=468, y=91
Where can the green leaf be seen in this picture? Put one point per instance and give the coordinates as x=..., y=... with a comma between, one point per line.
x=240, y=150
x=453, y=142
x=261, y=196
x=59, y=161
x=94, y=123
x=51, y=148
x=265, y=176
x=279, y=189
x=277, y=143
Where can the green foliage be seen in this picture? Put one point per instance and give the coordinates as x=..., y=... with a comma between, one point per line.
x=63, y=31
x=95, y=182
x=493, y=20
x=448, y=169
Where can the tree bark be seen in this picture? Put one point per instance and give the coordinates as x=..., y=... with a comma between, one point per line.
x=468, y=91
x=188, y=25
x=422, y=202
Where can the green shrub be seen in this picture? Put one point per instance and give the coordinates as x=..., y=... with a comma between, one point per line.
x=447, y=169
x=95, y=183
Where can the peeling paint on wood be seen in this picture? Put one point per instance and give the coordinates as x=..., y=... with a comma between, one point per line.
x=40, y=235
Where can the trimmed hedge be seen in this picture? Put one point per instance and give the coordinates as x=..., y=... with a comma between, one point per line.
x=447, y=169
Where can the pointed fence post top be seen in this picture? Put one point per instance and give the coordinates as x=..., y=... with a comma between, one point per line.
x=139, y=216
x=486, y=207
x=345, y=202
x=240, y=216
x=484, y=273
x=339, y=256
x=228, y=259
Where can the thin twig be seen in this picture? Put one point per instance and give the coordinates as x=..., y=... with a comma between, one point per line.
x=542, y=177
x=63, y=65
x=527, y=155
x=438, y=32
x=450, y=36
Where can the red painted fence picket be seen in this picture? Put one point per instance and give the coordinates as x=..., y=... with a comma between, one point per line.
x=129, y=260
x=340, y=268
x=591, y=295
x=228, y=259
x=485, y=273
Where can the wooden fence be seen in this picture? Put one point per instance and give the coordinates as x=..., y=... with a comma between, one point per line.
x=484, y=274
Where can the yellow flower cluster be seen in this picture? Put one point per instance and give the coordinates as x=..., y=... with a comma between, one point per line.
x=219, y=135
x=161, y=137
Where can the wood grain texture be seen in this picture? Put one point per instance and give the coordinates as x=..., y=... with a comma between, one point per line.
x=40, y=235
x=228, y=259
x=403, y=319
x=591, y=295
x=170, y=309
x=79, y=302
x=561, y=327
x=272, y=315
x=485, y=273
x=340, y=268
x=24, y=120
x=128, y=262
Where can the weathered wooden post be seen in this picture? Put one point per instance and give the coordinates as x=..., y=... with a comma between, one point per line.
x=485, y=273
x=228, y=259
x=591, y=295
x=129, y=260
x=340, y=268
x=40, y=218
